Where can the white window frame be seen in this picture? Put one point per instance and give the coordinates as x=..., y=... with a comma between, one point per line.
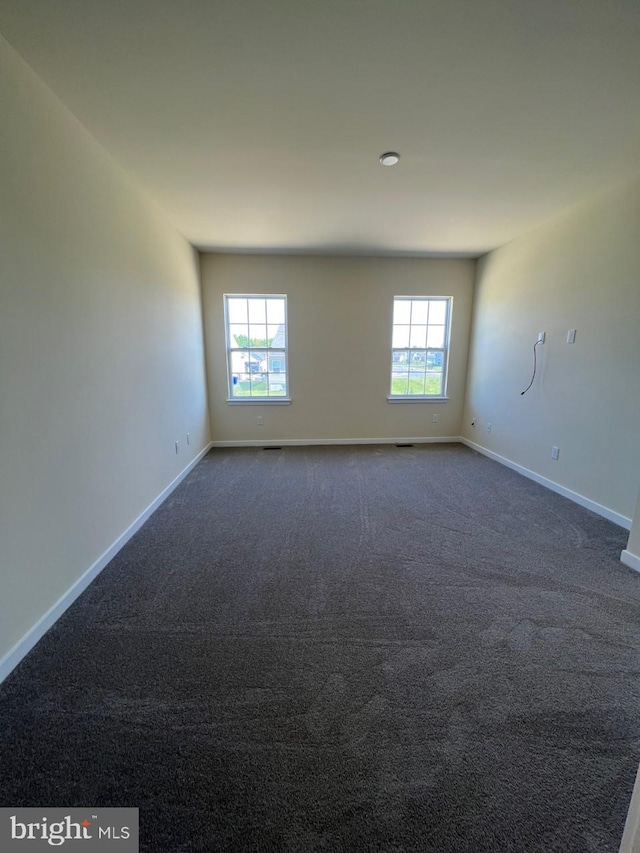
x=424, y=398
x=249, y=400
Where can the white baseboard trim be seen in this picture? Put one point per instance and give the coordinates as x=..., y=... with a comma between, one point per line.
x=587, y=503
x=303, y=442
x=24, y=646
x=631, y=560
x=631, y=836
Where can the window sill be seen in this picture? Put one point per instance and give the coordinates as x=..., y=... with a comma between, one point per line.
x=257, y=401
x=417, y=399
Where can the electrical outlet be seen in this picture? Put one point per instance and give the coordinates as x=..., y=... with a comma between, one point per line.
x=434, y=418
x=571, y=336
x=541, y=337
x=555, y=452
x=188, y=438
x=177, y=447
x=488, y=427
x=473, y=421
x=260, y=420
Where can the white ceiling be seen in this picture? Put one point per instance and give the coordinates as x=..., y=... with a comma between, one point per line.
x=257, y=124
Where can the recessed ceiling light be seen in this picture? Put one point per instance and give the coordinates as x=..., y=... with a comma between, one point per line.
x=390, y=158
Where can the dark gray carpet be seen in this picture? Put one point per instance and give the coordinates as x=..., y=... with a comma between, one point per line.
x=345, y=649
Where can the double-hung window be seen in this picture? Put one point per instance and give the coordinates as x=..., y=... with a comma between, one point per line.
x=256, y=336
x=420, y=347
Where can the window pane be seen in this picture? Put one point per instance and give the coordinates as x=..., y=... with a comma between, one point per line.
x=401, y=311
x=435, y=360
x=435, y=338
x=418, y=337
x=238, y=335
x=419, y=311
x=438, y=312
x=258, y=385
x=277, y=384
x=400, y=385
x=257, y=311
x=240, y=384
x=275, y=311
x=258, y=335
x=237, y=310
x=400, y=336
x=416, y=384
x=272, y=331
x=279, y=338
x=419, y=356
x=257, y=362
x=240, y=360
x=434, y=383
x=257, y=346
x=277, y=362
x=399, y=361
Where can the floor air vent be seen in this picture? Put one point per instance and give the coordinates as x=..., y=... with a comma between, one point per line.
x=272, y=448
x=404, y=445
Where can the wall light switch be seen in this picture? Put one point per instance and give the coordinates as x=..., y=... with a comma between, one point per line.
x=434, y=419
x=555, y=452
x=571, y=336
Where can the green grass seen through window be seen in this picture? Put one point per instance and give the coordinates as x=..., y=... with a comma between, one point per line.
x=416, y=387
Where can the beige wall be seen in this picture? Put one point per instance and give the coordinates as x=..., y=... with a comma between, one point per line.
x=339, y=312
x=580, y=270
x=101, y=351
x=634, y=537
